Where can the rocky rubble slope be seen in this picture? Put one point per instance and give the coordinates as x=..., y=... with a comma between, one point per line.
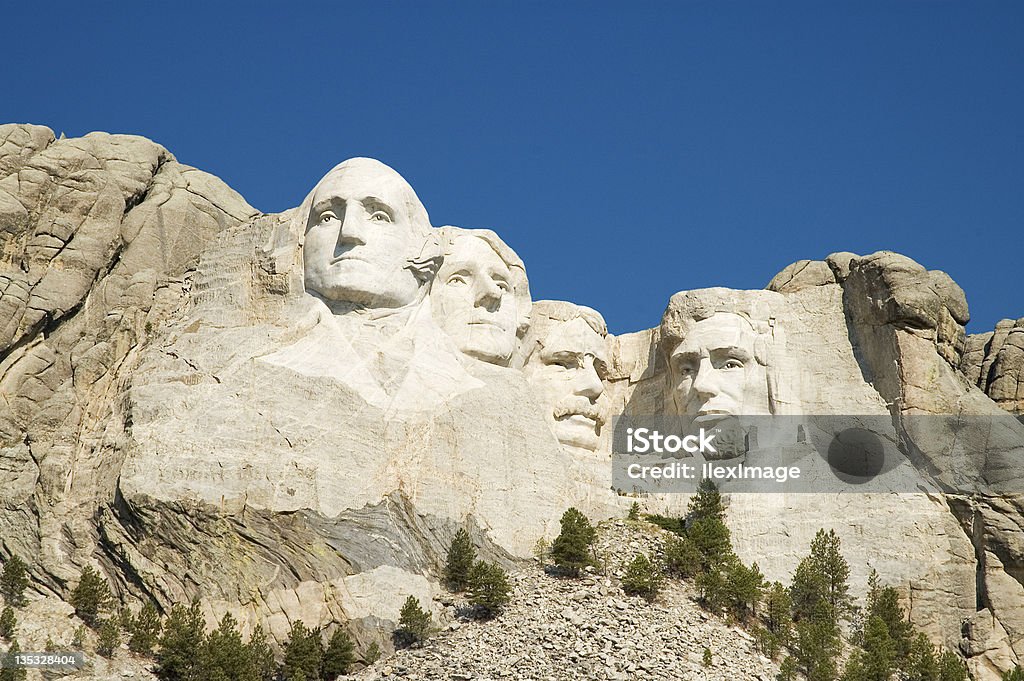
x=558, y=628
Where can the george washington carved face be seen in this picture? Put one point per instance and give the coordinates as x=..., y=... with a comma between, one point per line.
x=365, y=226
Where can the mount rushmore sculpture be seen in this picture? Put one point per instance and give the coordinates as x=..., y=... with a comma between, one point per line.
x=289, y=416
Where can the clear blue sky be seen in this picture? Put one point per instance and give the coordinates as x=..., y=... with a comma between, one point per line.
x=626, y=152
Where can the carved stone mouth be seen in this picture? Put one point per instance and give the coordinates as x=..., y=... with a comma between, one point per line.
x=582, y=419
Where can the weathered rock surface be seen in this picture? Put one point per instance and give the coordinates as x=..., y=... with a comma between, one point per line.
x=283, y=416
x=100, y=236
x=994, y=362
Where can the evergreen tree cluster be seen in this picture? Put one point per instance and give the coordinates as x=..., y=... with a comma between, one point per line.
x=487, y=583
x=702, y=550
x=186, y=652
x=889, y=646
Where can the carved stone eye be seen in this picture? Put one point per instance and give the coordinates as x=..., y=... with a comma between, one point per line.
x=327, y=216
x=457, y=280
x=380, y=216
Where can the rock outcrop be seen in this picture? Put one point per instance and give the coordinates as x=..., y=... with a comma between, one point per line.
x=100, y=239
x=994, y=361
x=289, y=416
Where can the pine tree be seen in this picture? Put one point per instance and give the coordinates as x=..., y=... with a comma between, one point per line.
x=710, y=586
x=224, y=656
x=8, y=623
x=339, y=656
x=91, y=597
x=828, y=558
x=14, y=581
x=787, y=670
x=879, y=651
x=413, y=622
x=182, y=639
x=261, y=656
x=951, y=667
x=109, y=637
x=372, y=654
x=78, y=640
x=855, y=670
x=682, y=559
x=459, y=562
x=489, y=588
x=778, y=617
x=710, y=537
x=706, y=503
x=820, y=586
x=742, y=588
x=921, y=664
x=642, y=578
x=571, y=548
x=303, y=654
x=8, y=672
x=817, y=645
x=634, y=512
x=145, y=630
x=883, y=602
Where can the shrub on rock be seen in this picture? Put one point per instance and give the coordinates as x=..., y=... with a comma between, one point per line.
x=489, y=588
x=642, y=578
x=414, y=623
x=571, y=548
x=91, y=597
x=459, y=561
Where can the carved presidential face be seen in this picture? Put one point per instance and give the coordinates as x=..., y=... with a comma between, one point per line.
x=362, y=231
x=565, y=372
x=474, y=301
x=716, y=371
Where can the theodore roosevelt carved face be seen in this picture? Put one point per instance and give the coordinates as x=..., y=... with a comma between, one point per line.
x=565, y=363
x=480, y=296
x=365, y=231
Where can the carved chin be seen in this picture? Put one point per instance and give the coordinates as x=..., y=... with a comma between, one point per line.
x=577, y=431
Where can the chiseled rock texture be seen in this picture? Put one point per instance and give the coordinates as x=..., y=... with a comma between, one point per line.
x=177, y=411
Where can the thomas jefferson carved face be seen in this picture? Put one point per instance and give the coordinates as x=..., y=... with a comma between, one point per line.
x=565, y=370
x=474, y=300
x=716, y=370
x=364, y=227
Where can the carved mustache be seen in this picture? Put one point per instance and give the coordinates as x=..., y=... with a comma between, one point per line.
x=581, y=406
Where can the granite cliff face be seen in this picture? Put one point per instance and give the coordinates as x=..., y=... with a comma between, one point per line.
x=289, y=416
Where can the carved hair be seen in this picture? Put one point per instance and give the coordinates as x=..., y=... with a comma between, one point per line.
x=685, y=310
x=548, y=313
x=410, y=204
